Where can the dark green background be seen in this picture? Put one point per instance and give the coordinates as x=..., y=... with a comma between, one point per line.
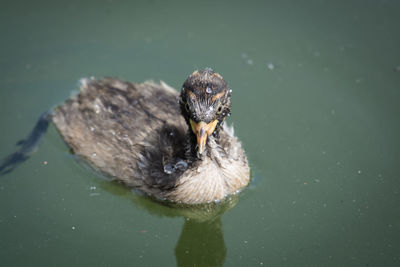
x=316, y=90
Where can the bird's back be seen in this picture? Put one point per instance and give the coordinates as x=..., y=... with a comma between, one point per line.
x=128, y=131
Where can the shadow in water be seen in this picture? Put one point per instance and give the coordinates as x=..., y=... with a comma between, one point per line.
x=201, y=242
x=26, y=146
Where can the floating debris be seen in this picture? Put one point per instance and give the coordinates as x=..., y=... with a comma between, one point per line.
x=248, y=60
x=270, y=66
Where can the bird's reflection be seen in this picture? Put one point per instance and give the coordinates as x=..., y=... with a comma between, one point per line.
x=201, y=242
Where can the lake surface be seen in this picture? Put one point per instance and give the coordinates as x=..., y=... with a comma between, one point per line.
x=316, y=104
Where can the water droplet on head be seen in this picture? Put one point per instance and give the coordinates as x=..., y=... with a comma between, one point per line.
x=230, y=90
x=94, y=154
x=208, y=90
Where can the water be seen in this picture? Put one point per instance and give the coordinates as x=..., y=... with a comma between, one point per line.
x=316, y=90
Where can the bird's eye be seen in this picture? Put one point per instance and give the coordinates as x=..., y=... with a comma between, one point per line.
x=187, y=107
x=219, y=109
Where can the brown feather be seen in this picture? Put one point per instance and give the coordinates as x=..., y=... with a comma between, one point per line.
x=136, y=134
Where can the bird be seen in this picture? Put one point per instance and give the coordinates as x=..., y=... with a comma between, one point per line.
x=171, y=146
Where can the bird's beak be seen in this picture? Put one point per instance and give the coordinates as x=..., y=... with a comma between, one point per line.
x=203, y=130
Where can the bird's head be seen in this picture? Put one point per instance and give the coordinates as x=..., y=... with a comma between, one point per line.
x=205, y=103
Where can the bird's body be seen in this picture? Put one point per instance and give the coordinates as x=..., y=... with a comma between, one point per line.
x=137, y=134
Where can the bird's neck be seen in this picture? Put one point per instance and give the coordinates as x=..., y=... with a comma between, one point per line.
x=212, y=146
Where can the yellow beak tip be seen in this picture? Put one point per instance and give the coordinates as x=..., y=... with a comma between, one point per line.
x=202, y=131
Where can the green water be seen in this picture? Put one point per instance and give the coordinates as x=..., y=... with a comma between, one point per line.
x=316, y=103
